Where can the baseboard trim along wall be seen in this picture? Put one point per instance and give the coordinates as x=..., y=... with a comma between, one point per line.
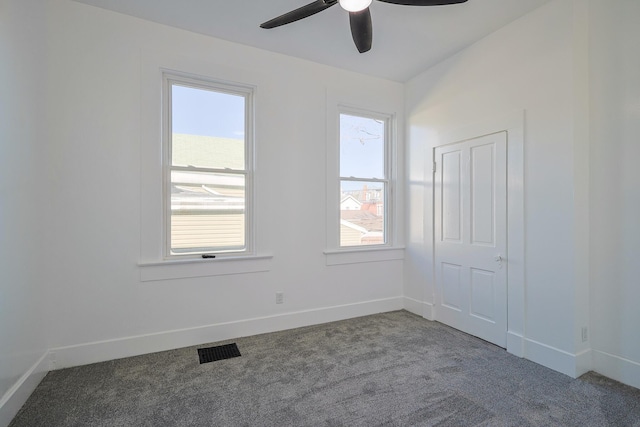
x=618, y=368
x=101, y=351
x=562, y=361
x=584, y=362
x=17, y=395
x=421, y=308
x=515, y=344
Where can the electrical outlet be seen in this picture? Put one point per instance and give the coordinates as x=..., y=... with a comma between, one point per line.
x=279, y=297
x=585, y=335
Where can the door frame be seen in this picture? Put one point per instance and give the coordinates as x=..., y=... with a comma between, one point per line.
x=513, y=125
x=494, y=330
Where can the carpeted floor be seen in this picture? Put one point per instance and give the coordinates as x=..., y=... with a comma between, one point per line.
x=391, y=369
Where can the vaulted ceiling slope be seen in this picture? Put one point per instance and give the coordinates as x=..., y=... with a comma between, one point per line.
x=406, y=39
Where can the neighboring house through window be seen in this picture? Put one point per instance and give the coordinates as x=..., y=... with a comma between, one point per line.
x=365, y=183
x=207, y=155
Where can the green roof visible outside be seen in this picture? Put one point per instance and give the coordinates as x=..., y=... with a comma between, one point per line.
x=207, y=151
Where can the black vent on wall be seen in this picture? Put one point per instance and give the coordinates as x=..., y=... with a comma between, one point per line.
x=221, y=352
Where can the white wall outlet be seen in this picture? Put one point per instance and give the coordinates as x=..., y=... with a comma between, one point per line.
x=279, y=297
x=585, y=336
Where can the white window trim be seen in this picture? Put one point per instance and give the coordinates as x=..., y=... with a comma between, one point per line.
x=356, y=256
x=152, y=264
x=393, y=249
x=168, y=79
x=388, y=181
x=187, y=268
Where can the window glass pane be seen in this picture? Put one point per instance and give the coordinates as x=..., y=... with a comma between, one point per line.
x=207, y=212
x=207, y=128
x=361, y=147
x=362, y=213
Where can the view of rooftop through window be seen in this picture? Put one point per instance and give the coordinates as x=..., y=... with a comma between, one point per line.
x=208, y=176
x=363, y=180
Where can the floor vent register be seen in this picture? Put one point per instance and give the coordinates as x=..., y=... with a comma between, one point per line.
x=220, y=352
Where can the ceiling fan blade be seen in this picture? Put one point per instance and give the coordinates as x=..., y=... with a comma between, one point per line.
x=361, y=29
x=423, y=2
x=299, y=13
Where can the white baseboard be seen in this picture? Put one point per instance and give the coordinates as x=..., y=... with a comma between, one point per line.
x=101, y=351
x=618, y=368
x=413, y=306
x=428, y=311
x=562, y=361
x=421, y=308
x=17, y=395
x=584, y=362
x=515, y=344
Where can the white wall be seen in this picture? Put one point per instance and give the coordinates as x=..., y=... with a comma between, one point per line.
x=22, y=199
x=530, y=66
x=96, y=300
x=615, y=191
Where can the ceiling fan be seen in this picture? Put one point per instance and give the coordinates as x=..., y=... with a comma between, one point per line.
x=359, y=16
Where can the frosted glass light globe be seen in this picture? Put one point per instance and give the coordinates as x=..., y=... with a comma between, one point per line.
x=355, y=5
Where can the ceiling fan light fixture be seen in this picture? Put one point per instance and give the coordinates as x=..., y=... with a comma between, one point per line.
x=354, y=5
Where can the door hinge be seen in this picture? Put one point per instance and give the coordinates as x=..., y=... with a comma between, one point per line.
x=434, y=167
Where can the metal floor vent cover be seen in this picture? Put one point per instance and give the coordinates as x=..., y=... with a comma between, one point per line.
x=221, y=352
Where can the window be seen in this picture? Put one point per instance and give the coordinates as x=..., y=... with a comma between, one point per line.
x=207, y=152
x=364, y=179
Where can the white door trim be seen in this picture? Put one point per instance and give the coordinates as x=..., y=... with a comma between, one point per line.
x=513, y=124
x=471, y=284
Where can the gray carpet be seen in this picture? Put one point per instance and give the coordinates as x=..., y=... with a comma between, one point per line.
x=391, y=369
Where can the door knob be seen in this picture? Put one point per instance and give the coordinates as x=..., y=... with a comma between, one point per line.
x=498, y=258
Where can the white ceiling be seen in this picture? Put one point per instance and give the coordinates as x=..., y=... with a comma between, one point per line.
x=406, y=39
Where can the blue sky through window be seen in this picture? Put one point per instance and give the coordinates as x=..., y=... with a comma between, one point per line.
x=362, y=147
x=206, y=112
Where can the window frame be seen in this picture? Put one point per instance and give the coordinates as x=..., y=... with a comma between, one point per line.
x=169, y=79
x=386, y=104
x=152, y=267
x=388, y=179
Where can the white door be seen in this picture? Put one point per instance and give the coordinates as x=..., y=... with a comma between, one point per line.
x=471, y=236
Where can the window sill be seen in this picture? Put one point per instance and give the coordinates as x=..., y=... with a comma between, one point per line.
x=360, y=255
x=188, y=268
